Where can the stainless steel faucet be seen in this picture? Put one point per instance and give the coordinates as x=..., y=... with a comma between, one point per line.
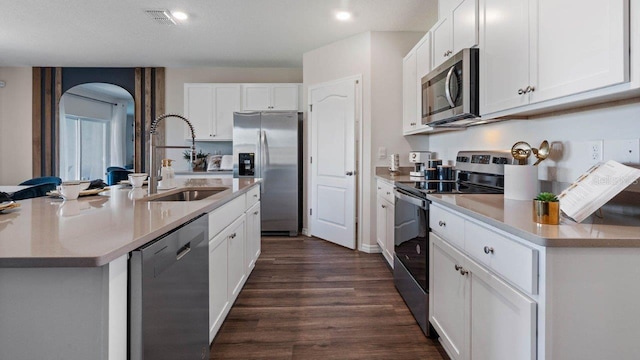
x=153, y=168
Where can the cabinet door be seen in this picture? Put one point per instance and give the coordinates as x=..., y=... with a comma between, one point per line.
x=577, y=56
x=218, y=288
x=445, y=7
x=236, y=266
x=253, y=237
x=381, y=224
x=256, y=97
x=503, y=321
x=465, y=25
x=284, y=97
x=226, y=100
x=441, y=42
x=409, y=93
x=389, y=248
x=423, y=67
x=198, y=108
x=504, y=54
x=448, y=297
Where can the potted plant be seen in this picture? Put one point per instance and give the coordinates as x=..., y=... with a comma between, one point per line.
x=546, y=209
x=200, y=162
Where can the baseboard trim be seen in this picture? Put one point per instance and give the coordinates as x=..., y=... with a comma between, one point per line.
x=305, y=232
x=370, y=249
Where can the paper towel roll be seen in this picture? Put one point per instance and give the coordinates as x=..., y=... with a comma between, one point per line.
x=521, y=182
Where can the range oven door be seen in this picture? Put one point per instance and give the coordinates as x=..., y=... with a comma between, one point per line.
x=411, y=235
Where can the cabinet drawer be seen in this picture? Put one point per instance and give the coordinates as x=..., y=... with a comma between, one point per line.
x=221, y=217
x=385, y=190
x=253, y=196
x=507, y=258
x=446, y=224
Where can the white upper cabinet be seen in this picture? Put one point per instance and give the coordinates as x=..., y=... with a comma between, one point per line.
x=587, y=53
x=415, y=65
x=210, y=109
x=457, y=29
x=259, y=97
x=530, y=52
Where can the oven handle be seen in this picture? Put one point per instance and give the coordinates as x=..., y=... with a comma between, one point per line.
x=421, y=203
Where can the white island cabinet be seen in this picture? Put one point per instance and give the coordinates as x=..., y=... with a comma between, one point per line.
x=70, y=313
x=385, y=211
x=233, y=236
x=550, y=292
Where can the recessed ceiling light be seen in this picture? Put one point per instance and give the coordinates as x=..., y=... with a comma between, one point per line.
x=343, y=15
x=179, y=15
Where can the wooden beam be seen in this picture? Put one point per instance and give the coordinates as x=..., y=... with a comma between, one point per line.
x=36, y=122
x=137, y=163
x=159, y=107
x=57, y=127
x=148, y=102
x=47, y=122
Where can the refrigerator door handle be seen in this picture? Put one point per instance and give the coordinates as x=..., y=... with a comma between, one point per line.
x=264, y=145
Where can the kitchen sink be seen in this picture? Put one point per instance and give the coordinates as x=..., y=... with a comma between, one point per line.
x=189, y=195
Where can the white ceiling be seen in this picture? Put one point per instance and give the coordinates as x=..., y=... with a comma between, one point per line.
x=244, y=33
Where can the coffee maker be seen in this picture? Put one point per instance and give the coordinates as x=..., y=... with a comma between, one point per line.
x=419, y=159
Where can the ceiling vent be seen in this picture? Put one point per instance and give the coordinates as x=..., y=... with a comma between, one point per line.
x=161, y=16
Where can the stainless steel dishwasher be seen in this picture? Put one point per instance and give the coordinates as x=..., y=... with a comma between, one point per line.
x=168, y=295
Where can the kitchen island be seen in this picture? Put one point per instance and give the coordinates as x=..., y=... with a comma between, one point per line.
x=64, y=265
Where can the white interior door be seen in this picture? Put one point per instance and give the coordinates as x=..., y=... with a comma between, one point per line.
x=333, y=161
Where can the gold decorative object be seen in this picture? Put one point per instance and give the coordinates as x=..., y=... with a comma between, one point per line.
x=546, y=212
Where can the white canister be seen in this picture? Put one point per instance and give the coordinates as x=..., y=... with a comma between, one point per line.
x=394, y=162
x=521, y=182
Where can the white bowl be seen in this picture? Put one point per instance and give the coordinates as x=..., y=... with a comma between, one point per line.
x=69, y=190
x=137, y=179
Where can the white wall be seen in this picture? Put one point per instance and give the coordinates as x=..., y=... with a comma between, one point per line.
x=15, y=125
x=174, y=88
x=377, y=57
x=567, y=131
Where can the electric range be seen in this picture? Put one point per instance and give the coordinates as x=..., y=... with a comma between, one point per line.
x=476, y=172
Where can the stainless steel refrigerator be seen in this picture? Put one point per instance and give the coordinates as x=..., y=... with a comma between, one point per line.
x=267, y=145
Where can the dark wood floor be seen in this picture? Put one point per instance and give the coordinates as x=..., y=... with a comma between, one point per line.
x=310, y=299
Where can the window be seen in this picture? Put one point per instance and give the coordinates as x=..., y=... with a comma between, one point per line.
x=85, y=143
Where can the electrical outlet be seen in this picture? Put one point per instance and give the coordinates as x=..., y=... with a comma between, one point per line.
x=595, y=150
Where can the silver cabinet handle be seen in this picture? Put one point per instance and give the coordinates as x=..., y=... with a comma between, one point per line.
x=350, y=173
x=255, y=195
x=442, y=223
x=457, y=267
x=384, y=206
x=379, y=188
x=232, y=236
x=256, y=212
x=530, y=89
x=463, y=271
x=520, y=92
x=488, y=250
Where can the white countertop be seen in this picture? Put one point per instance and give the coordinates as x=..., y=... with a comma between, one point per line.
x=94, y=230
x=516, y=217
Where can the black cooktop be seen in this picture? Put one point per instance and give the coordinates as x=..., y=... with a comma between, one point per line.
x=421, y=188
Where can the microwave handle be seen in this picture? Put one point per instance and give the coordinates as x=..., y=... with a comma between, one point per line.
x=447, y=87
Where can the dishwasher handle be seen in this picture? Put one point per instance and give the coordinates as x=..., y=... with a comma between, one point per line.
x=404, y=196
x=183, y=251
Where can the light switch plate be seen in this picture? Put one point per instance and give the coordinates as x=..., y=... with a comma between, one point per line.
x=382, y=152
x=623, y=151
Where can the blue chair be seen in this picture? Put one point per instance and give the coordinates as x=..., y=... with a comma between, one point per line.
x=112, y=168
x=115, y=176
x=34, y=191
x=43, y=180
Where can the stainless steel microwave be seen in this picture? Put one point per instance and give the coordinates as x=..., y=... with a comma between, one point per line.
x=450, y=92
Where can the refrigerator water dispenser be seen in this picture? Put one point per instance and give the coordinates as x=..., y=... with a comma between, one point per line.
x=246, y=164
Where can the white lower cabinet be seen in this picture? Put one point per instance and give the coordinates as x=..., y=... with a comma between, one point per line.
x=218, y=294
x=236, y=269
x=232, y=236
x=448, y=297
x=477, y=315
x=385, y=222
x=253, y=237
